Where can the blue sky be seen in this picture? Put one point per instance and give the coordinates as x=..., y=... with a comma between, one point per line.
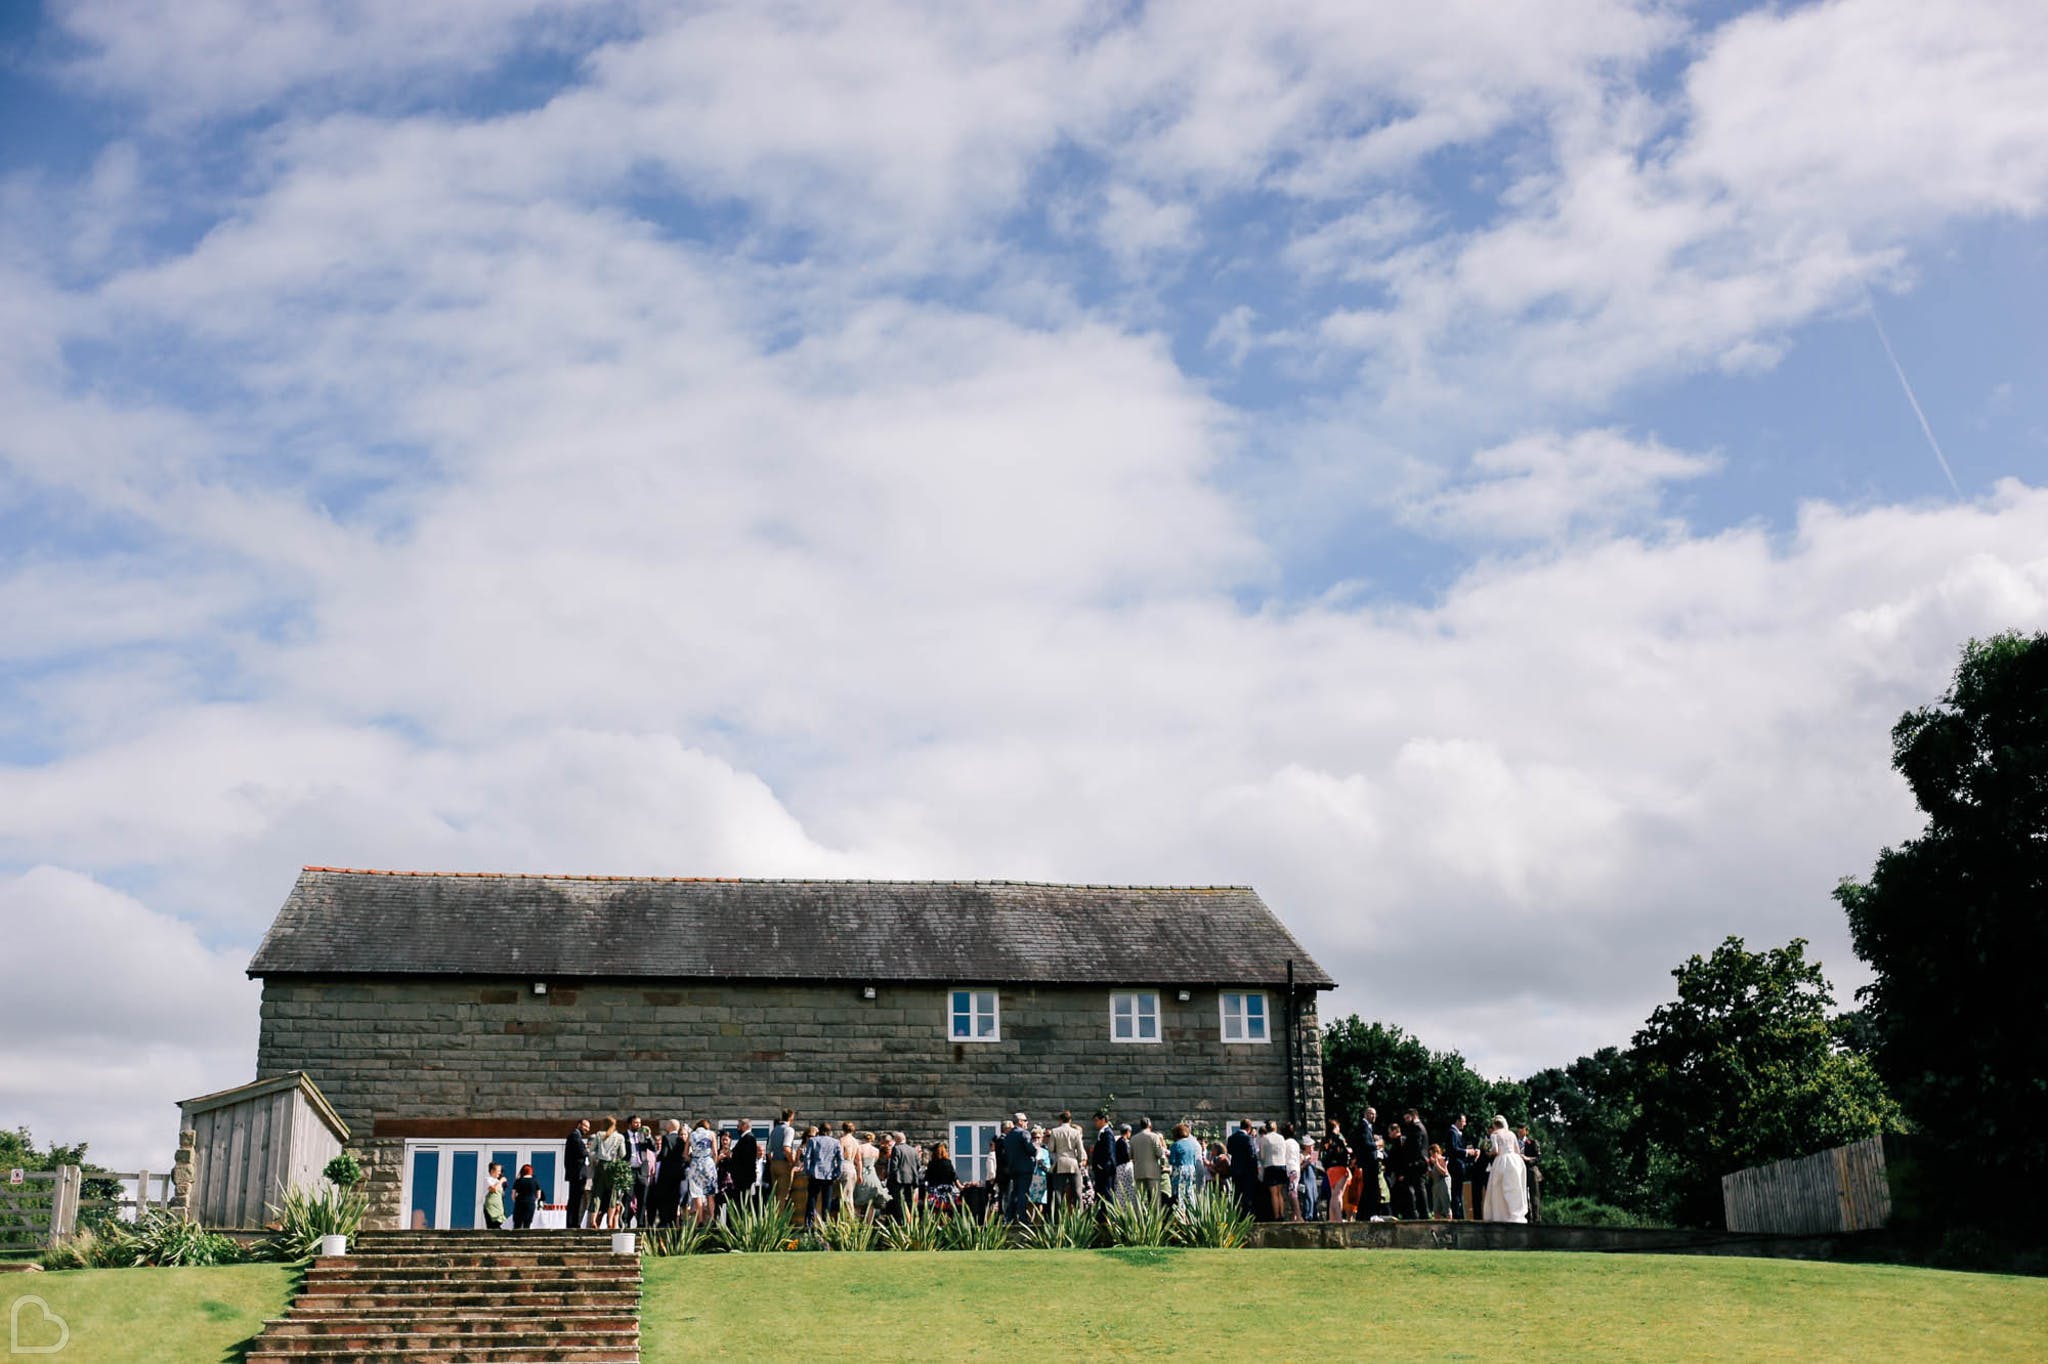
x=1437, y=467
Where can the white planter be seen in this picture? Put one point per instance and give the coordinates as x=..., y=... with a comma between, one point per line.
x=334, y=1245
x=622, y=1243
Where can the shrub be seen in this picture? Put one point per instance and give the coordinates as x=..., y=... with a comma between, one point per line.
x=1211, y=1218
x=919, y=1229
x=344, y=1171
x=1578, y=1211
x=85, y=1249
x=1062, y=1228
x=964, y=1231
x=754, y=1226
x=847, y=1231
x=305, y=1216
x=1138, y=1221
x=687, y=1237
x=165, y=1237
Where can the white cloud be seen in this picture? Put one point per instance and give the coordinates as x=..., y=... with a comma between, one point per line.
x=1547, y=485
x=116, y=1012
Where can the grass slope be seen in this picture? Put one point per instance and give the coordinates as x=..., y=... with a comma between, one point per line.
x=1329, y=1305
x=191, y=1316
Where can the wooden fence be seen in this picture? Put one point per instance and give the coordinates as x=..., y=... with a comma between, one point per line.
x=47, y=1205
x=1846, y=1189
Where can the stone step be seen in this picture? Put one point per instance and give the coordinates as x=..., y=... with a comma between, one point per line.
x=429, y=1336
x=538, y=1256
x=605, y=1274
x=464, y=1320
x=482, y=1354
x=468, y=1298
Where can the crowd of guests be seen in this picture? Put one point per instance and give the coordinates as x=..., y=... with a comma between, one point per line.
x=641, y=1175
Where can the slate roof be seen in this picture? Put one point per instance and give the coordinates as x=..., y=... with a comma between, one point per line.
x=340, y=921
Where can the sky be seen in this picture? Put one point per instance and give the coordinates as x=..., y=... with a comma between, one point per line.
x=1488, y=476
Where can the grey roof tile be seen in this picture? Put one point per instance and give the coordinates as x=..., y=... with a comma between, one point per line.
x=341, y=921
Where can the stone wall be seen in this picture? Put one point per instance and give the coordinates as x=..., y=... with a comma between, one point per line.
x=395, y=1056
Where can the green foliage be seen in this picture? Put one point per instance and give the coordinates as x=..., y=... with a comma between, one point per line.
x=88, y=1249
x=964, y=1231
x=344, y=1171
x=1062, y=1227
x=847, y=1231
x=306, y=1215
x=686, y=1237
x=919, y=1229
x=1585, y=1115
x=165, y=1237
x=1138, y=1222
x=757, y=1226
x=1211, y=1218
x=1952, y=925
x=1742, y=1068
x=1381, y=1065
x=1573, y=1211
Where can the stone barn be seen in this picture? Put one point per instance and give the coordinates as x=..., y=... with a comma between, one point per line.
x=457, y=1019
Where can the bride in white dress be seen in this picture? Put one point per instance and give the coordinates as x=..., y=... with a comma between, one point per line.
x=1507, y=1180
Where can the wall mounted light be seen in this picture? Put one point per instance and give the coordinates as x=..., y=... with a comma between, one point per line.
x=540, y=987
x=1186, y=995
x=867, y=992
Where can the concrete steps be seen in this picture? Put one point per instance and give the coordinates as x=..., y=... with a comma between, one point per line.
x=463, y=1298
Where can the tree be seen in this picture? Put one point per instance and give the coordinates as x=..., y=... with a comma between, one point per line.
x=1590, y=1111
x=1380, y=1064
x=1954, y=925
x=1745, y=1067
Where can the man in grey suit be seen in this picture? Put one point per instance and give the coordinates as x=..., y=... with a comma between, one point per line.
x=1069, y=1150
x=1148, y=1159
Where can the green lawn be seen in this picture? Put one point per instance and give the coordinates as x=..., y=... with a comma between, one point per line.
x=118, y=1316
x=1328, y=1305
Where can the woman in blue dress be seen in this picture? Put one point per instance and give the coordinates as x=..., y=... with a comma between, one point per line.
x=1184, y=1158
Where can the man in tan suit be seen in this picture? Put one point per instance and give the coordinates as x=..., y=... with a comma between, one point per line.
x=1069, y=1148
x=1148, y=1159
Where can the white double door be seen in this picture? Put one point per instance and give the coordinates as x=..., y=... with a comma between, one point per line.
x=444, y=1180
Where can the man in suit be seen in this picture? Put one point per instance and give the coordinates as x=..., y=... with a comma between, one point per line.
x=906, y=1175
x=1244, y=1168
x=1148, y=1159
x=745, y=1162
x=1102, y=1161
x=1365, y=1167
x=1415, y=1164
x=1454, y=1157
x=1019, y=1161
x=671, y=1166
x=1069, y=1148
x=576, y=1169
x=1531, y=1154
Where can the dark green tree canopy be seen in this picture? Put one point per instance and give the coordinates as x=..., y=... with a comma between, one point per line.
x=1954, y=924
x=1745, y=1067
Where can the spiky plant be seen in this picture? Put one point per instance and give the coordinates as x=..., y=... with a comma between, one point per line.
x=1211, y=1218
x=918, y=1229
x=848, y=1231
x=1062, y=1227
x=964, y=1231
x=1138, y=1221
x=686, y=1237
x=754, y=1226
x=306, y=1215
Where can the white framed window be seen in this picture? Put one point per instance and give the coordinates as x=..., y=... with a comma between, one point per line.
x=975, y=1016
x=1244, y=1016
x=974, y=1150
x=1134, y=1016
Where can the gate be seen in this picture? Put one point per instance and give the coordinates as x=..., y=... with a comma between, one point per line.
x=38, y=1207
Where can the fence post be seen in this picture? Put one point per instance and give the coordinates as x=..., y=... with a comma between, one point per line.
x=64, y=1205
x=141, y=1195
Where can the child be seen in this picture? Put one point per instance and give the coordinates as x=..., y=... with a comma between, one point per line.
x=494, y=1197
x=1439, y=1184
x=525, y=1198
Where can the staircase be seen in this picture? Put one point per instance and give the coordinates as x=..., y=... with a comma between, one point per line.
x=463, y=1297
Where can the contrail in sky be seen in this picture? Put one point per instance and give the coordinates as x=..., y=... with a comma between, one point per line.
x=1898, y=369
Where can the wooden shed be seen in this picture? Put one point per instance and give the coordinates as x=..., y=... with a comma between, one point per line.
x=253, y=1142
